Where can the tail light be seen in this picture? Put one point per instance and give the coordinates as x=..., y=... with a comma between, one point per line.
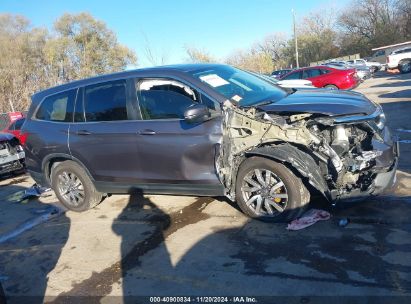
x=388, y=59
x=23, y=138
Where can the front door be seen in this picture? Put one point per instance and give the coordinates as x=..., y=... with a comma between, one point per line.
x=171, y=150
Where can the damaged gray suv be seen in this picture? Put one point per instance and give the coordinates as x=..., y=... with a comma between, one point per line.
x=207, y=130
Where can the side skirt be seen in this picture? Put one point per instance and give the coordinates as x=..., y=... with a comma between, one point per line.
x=174, y=189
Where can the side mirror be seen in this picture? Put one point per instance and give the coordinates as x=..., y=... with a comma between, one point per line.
x=196, y=113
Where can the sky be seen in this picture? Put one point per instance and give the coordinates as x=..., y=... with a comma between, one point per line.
x=167, y=26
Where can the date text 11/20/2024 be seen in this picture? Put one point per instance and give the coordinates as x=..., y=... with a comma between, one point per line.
x=208, y=299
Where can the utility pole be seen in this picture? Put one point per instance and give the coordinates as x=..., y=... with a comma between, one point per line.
x=295, y=41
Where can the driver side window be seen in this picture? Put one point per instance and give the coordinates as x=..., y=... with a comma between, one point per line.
x=164, y=98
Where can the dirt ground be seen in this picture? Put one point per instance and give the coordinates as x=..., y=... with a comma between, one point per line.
x=188, y=246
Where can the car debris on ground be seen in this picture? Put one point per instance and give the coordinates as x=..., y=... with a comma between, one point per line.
x=309, y=218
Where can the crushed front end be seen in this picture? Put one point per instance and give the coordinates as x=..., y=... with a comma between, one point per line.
x=342, y=156
x=11, y=154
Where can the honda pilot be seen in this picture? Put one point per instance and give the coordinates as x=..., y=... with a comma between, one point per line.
x=207, y=130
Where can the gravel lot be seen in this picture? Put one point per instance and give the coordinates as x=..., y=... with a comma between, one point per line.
x=170, y=245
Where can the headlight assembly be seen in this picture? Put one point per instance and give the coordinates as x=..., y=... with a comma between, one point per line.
x=380, y=121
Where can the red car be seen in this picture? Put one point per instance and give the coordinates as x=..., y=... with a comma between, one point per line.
x=326, y=77
x=14, y=128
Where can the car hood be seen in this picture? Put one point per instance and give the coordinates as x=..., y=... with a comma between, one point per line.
x=322, y=101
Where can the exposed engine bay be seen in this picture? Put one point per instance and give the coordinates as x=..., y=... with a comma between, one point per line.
x=339, y=156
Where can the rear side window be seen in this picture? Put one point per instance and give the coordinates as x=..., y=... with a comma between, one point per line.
x=295, y=75
x=58, y=107
x=164, y=99
x=311, y=73
x=106, y=101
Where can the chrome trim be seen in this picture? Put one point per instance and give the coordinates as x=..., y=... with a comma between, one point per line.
x=358, y=118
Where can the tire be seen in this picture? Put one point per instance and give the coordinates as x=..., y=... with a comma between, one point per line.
x=285, y=192
x=405, y=66
x=73, y=187
x=331, y=87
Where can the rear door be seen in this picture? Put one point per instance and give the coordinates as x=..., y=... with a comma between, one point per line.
x=315, y=76
x=103, y=135
x=172, y=151
x=292, y=75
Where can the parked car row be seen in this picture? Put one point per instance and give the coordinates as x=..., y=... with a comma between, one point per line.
x=326, y=77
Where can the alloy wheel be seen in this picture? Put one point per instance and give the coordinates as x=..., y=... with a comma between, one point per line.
x=264, y=192
x=406, y=67
x=70, y=188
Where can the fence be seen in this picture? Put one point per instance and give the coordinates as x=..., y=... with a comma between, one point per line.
x=344, y=58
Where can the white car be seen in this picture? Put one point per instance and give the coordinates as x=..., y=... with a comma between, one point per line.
x=295, y=83
x=375, y=66
x=400, y=59
x=292, y=83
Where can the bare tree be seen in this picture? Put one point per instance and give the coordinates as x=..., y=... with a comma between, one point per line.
x=198, y=55
x=33, y=59
x=252, y=60
x=152, y=56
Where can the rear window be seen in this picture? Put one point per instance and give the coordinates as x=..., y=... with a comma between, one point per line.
x=57, y=107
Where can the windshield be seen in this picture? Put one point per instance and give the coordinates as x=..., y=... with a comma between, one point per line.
x=239, y=86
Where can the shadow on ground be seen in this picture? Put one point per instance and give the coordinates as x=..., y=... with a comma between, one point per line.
x=398, y=94
x=238, y=256
x=26, y=259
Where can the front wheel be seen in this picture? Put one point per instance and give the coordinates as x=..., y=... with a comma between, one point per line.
x=73, y=187
x=405, y=66
x=268, y=190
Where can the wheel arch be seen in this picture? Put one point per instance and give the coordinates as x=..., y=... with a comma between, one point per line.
x=294, y=158
x=404, y=59
x=331, y=84
x=54, y=159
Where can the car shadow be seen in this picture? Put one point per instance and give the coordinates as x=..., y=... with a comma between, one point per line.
x=398, y=94
x=393, y=84
x=259, y=258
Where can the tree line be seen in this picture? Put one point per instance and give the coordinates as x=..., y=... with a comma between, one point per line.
x=34, y=58
x=79, y=46
x=325, y=34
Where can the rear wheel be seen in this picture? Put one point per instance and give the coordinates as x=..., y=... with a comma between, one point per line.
x=405, y=66
x=268, y=190
x=73, y=187
x=331, y=87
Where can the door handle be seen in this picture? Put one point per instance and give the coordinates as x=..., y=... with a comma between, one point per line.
x=147, y=132
x=83, y=132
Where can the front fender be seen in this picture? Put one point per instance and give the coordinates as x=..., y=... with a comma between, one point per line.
x=297, y=159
